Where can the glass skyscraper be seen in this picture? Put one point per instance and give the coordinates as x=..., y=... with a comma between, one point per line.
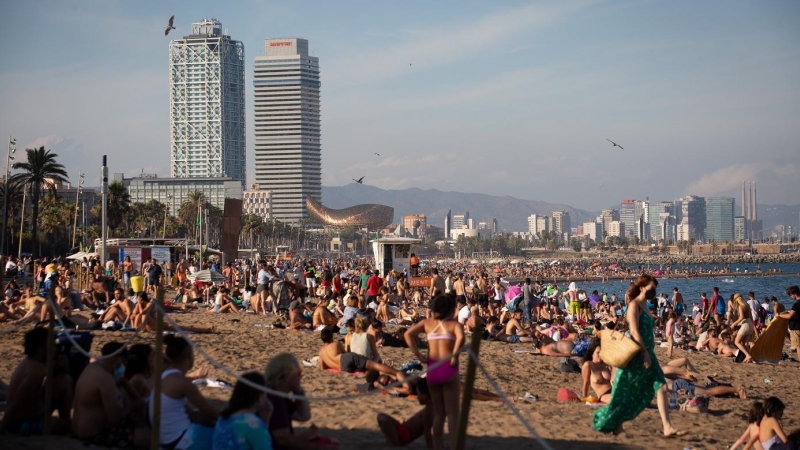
x=287, y=127
x=207, y=132
x=719, y=219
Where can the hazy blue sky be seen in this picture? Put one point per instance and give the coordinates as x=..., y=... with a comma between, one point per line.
x=509, y=98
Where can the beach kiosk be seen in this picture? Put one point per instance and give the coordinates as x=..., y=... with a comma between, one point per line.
x=393, y=253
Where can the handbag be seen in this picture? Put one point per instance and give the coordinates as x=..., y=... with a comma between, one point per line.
x=616, y=349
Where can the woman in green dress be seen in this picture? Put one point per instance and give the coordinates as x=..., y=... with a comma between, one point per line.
x=635, y=385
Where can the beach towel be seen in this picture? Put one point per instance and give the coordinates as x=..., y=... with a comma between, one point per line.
x=769, y=346
x=346, y=373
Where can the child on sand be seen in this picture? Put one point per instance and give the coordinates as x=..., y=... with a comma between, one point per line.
x=750, y=435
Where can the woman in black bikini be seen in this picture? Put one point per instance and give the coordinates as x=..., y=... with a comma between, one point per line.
x=596, y=373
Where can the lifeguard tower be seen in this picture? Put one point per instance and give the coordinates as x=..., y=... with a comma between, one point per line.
x=393, y=253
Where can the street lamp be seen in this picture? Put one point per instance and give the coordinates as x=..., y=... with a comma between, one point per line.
x=77, y=198
x=166, y=209
x=11, y=150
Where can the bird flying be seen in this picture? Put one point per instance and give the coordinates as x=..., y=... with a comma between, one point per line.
x=359, y=181
x=377, y=154
x=615, y=144
x=169, y=27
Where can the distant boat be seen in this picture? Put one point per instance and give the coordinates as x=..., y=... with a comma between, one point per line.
x=727, y=280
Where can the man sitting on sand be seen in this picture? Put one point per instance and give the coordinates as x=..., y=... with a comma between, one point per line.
x=322, y=317
x=297, y=318
x=420, y=424
x=332, y=356
x=514, y=333
x=25, y=412
x=104, y=401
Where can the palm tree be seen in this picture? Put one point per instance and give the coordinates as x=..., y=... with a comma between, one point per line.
x=40, y=170
x=15, y=198
x=189, y=211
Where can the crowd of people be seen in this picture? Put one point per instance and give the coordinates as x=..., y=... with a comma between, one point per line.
x=349, y=304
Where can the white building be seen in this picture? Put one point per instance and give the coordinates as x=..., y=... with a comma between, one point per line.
x=542, y=224
x=256, y=202
x=532, y=224
x=684, y=232
x=174, y=191
x=470, y=232
x=460, y=220
x=206, y=96
x=287, y=126
x=594, y=230
x=616, y=228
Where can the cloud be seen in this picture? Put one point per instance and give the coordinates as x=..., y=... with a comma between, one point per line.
x=45, y=141
x=437, y=46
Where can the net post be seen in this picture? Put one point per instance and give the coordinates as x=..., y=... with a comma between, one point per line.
x=155, y=432
x=469, y=384
x=51, y=362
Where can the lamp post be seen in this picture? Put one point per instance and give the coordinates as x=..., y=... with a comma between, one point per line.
x=9, y=158
x=22, y=217
x=104, y=192
x=77, y=199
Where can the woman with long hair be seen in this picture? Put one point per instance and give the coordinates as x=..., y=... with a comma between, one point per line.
x=243, y=424
x=636, y=383
x=746, y=326
x=445, y=336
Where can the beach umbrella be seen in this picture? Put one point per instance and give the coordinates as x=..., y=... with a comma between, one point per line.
x=512, y=292
x=77, y=256
x=474, y=261
x=555, y=263
x=208, y=276
x=515, y=261
x=441, y=261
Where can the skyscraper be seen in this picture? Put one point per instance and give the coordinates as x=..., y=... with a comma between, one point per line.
x=719, y=219
x=287, y=125
x=691, y=210
x=207, y=132
x=658, y=230
x=561, y=222
x=627, y=214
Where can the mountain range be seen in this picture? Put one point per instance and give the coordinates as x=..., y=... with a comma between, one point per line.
x=511, y=212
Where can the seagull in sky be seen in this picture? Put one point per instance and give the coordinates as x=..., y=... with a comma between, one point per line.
x=169, y=27
x=359, y=181
x=377, y=154
x=615, y=144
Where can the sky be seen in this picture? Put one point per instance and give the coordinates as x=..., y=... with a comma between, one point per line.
x=503, y=98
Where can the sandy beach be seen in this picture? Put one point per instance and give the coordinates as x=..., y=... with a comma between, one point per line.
x=242, y=346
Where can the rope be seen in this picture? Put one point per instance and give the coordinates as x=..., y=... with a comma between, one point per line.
x=25, y=320
x=290, y=395
x=507, y=402
x=84, y=352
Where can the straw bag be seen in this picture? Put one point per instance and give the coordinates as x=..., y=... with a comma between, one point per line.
x=616, y=349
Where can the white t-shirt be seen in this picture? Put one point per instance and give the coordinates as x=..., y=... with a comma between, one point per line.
x=464, y=314
x=754, y=307
x=10, y=266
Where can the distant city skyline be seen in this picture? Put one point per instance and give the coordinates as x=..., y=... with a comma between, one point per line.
x=504, y=99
